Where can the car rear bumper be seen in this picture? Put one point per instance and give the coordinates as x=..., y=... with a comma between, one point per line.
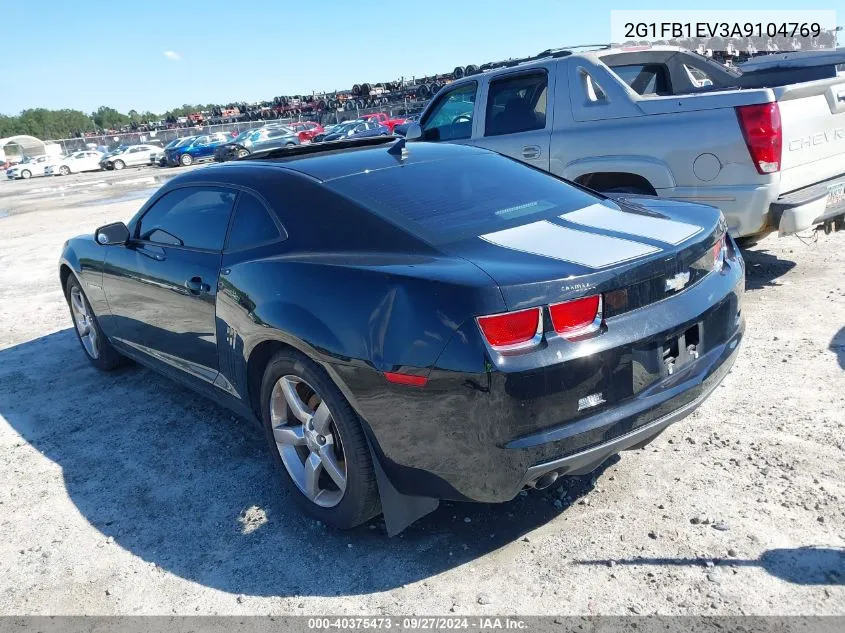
x=701, y=378
x=484, y=433
x=806, y=208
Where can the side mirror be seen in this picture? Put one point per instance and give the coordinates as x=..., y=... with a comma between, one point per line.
x=414, y=132
x=110, y=234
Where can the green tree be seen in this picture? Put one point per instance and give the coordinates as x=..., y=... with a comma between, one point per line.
x=108, y=118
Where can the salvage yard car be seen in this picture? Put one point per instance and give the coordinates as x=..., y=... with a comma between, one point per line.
x=354, y=129
x=128, y=156
x=88, y=160
x=159, y=157
x=200, y=148
x=30, y=167
x=268, y=137
x=415, y=323
x=765, y=144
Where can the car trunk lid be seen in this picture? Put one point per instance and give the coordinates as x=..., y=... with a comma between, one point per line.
x=634, y=250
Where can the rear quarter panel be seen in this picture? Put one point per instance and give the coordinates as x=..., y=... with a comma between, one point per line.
x=375, y=313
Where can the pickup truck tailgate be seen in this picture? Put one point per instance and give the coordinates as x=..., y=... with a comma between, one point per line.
x=813, y=121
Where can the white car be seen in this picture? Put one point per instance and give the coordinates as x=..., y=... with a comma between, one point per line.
x=131, y=156
x=89, y=160
x=30, y=167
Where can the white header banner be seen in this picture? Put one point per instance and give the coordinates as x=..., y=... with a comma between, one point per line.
x=715, y=30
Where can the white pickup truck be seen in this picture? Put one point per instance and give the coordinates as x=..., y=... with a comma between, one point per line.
x=766, y=145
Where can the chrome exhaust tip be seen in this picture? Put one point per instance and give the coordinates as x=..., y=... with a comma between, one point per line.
x=545, y=481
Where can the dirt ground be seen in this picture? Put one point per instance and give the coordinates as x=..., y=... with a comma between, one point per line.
x=126, y=494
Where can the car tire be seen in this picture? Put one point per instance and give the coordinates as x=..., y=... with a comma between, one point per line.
x=243, y=153
x=118, y=164
x=291, y=375
x=26, y=174
x=96, y=346
x=290, y=144
x=186, y=160
x=64, y=170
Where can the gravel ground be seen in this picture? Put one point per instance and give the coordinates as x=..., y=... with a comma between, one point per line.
x=126, y=494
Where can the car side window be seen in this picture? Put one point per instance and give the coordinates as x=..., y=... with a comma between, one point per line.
x=252, y=224
x=516, y=104
x=194, y=217
x=451, y=117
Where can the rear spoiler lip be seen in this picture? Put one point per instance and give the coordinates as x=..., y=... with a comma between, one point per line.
x=796, y=59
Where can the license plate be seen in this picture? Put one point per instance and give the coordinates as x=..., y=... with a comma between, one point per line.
x=836, y=194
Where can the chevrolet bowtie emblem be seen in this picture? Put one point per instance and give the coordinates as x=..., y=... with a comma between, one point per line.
x=677, y=282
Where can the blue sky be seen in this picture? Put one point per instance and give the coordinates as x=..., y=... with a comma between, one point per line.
x=156, y=55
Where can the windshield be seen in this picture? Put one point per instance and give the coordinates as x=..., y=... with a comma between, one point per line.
x=243, y=136
x=448, y=200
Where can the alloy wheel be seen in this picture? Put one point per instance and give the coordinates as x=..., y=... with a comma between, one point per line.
x=84, y=323
x=308, y=441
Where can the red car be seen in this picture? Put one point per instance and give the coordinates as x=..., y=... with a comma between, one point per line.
x=306, y=130
x=383, y=119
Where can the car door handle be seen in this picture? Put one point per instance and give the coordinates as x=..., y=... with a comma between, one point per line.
x=531, y=152
x=196, y=285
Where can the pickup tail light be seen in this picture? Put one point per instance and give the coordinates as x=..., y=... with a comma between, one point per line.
x=763, y=134
x=577, y=317
x=512, y=330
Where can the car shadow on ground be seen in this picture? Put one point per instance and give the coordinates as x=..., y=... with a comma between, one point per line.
x=762, y=268
x=800, y=565
x=179, y=482
x=837, y=345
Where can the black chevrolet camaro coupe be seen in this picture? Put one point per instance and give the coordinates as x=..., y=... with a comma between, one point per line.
x=415, y=324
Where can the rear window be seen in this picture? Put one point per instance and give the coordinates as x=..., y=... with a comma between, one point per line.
x=448, y=200
x=645, y=79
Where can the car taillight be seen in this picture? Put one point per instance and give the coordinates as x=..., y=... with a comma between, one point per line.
x=763, y=135
x=720, y=252
x=512, y=330
x=576, y=317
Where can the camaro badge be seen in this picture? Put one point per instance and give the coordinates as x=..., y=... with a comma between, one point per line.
x=677, y=282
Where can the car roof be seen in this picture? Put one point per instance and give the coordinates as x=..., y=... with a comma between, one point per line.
x=329, y=164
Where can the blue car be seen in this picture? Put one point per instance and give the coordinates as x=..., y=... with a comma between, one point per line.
x=198, y=149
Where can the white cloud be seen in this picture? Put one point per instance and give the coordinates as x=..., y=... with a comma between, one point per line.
x=172, y=55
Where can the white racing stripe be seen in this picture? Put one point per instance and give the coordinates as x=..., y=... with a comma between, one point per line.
x=600, y=216
x=551, y=240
